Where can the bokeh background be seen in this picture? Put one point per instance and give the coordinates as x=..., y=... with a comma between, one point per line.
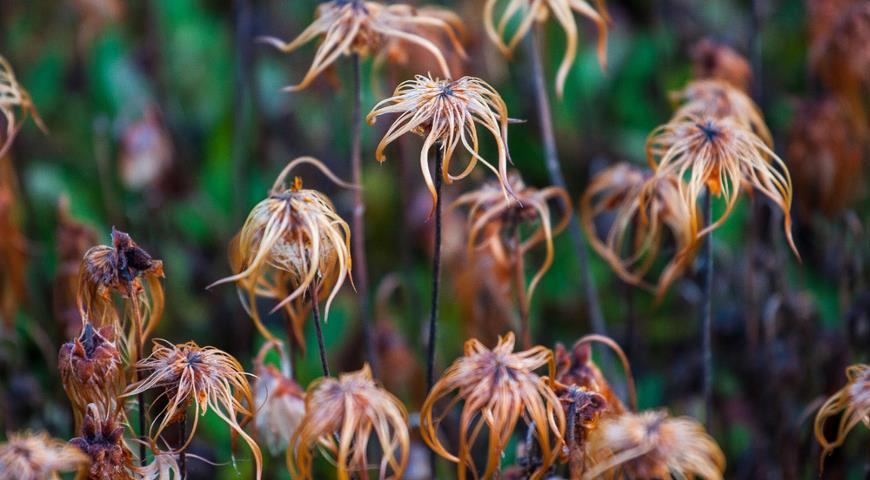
x=166, y=119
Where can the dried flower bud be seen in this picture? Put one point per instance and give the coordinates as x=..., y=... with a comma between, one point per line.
x=91, y=370
x=102, y=439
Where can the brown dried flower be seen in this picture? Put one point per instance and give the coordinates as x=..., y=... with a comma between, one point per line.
x=497, y=387
x=722, y=156
x=13, y=96
x=715, y=61
x=492, y=217
x=91, y=370
x=203, y=376
x=36, y=456
x=652, y=445
x=102, y=439
x=720, y=100
x=447, y=113
x=539, y=10
x=292, y=242
x=647, y=210
x=279, y=399
x=852, y=401
x=357, y=26
x=340, y=416
x=121, y=268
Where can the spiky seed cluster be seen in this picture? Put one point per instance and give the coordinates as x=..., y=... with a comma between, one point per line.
x=852, y=402
x=357, y=26
x=292, y=241
x=527, y=12
x=92, y=371
x=36, y=456
x=447, y=114
x=721, y=156
x=647, y=210
x=280, y=403
x=206, y=377
x=127, y=270
x=102, y=439
x=14, y=97
x=718, y=99
x=491, y=216
x=496, y=387
x=340, y=416
x=652, y=445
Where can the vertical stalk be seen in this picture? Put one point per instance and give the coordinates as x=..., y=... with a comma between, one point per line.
x=707, y=322
x=315, y=312
x=134, y=359
x=551, y=157
x=360, y=266
x=436, y=273
x=520, y=287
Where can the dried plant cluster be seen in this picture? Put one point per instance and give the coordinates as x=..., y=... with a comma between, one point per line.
x=851, y=403
x=527, y=12
x=36, y=456
x=363, y=27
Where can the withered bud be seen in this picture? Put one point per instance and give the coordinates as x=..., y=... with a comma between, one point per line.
x=102, y=439
x=91, y=370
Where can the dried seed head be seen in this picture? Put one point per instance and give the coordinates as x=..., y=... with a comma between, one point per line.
x=647, y=211
x=493, y=220
x=825, y=157
x=524, y=13
x=280, y=403
x=723, y=157
x=205, y=377
x=340, y=415
x=361, y=27
x=496, y=387
x=852, y=402
x=91, y=370
x=447, y=113
x=575, y=368
x=14, y=97
x=715, y=61
x=291, y=242
x=121, y=269
x=720, y=100
x=102, y=439
x=36, y=456
x=651, y=445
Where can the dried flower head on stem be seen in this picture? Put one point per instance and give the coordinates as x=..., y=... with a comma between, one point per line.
x=723, y=157
x=529, y=11
x=361, y=27
x=340, y=416
x=651, y=445
x=14, y=97
x=720, y=100
x=36, y=456
x=496, y=387
x=491, y=216
x=852, y=402
x=647, y=210
x=127, y=270
x=92, y=371
x=447, y=114
x=102, y=439
x=207, y=378
x=292, y=241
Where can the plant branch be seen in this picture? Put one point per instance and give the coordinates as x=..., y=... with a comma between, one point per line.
x=360, y=265
x=551, y=157
x=707, y=322
x=315, y=312
x=436, y=272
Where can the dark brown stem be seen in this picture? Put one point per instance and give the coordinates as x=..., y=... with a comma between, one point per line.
x=315, y=312
x=551, y=157
x=707, y=322
x=360, y=266
x=135, y=355
x=436, y=272
x=520, y=287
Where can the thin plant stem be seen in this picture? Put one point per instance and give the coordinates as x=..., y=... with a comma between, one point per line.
x=436, y=272
x=520, y=284
x=291, y=348
x=551, y=157
x=360, y=266
x=707, y=322
x=182, y=437
x=134, y=359
x=315, y=312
